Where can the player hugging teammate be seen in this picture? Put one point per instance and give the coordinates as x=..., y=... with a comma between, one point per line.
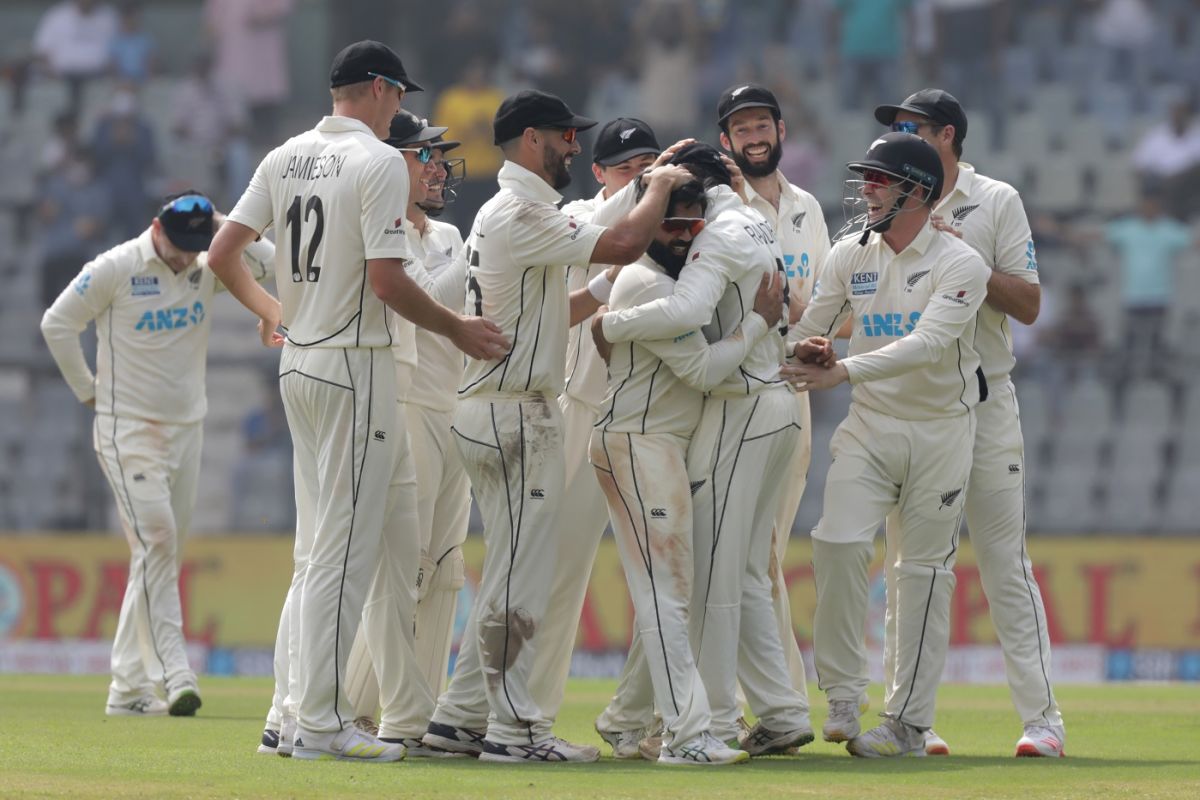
x=639, y=359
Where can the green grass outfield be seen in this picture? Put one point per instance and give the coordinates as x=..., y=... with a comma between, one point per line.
x=1131, y=741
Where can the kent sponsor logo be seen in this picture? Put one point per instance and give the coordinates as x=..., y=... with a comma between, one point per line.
x=864, y=283
x=794, y=270
x=760, y=232
x=310, y=168
x=889, y=324
x=170, y=319
x=144, y=285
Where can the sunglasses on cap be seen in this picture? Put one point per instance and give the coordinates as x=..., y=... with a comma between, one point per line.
x=908, y=126
x=392, y=81
x=189, y=203
x=424, y=153
x=692, y=225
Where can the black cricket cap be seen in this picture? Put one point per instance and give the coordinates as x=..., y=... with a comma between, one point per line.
x=746, y=95
x=187, y=220
x=706, y=163
x=937, y=104
x=906, y=156
x=622, y=139
x=445, y=145
x=354, y=63
x=534, y=109
x=408, y=128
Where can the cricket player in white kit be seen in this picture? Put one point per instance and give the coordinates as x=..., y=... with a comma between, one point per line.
x=736, y=463
x=624, y=148
x=337, y=196
x=509, y=426
x=149, y=298
x=905, y=446
x=988, y=215
x=428, y=369
x=639, y=451
x=753, y=131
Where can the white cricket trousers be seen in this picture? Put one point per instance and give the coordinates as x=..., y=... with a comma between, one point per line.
x=996, y=524
x=153, y=469
x=737, y=462
x=917, y=472
x=644, y=480
x=583, y=517
x=789, y=504
x=340, y=405
x=511, y=447
x=434, y=572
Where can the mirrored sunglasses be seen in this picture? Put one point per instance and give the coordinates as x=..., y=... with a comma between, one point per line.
x=693, y=225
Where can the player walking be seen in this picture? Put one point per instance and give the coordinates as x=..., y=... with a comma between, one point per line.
x=337, y=196
x=149, y=298
x=509, y=427
x=905, y=446
x=987, y=214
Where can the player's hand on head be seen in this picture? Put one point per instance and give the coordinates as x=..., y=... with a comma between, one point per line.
x=768, y=302
x=481, y=339
x=737, y=180
x=603, y=346
x=939, y=223
x=666, y=155
x=815, y=350
x=671, y=174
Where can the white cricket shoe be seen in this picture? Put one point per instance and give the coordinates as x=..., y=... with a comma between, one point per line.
x=183, y=702
x=1042, y=741
x=551, y=751
x=144, y=706
x=892, y=739
x=349, y=744
x=704, y=750
x=935, y=745
x=287, y=736
x=624, y=744
x=759, y=741
x=842, y=723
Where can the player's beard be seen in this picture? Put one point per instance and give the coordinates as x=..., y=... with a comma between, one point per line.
x=759, y=170
x=666, y=258
x=556, y=167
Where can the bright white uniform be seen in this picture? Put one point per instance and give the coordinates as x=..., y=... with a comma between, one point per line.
x=639, y=451
x=584, y=514
x=737, y=462
x=336, y=196
x=799, y=225
x=989, y=215
x=428, y=369
x=509, y=432
x=905, y=447
x=152, y=328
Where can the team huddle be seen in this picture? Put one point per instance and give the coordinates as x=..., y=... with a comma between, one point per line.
x=641, y=360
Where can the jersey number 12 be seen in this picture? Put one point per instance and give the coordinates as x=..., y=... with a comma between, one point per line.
x=311, y=273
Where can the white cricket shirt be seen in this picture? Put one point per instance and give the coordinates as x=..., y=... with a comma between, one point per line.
x=657, y=386
x=152, y=328
x=716, y=290
x=911, y=353
x=517, y=253
x=440, y=269
x=991, y=218
x=801, y=230
x=337, y=197
x=586, y=374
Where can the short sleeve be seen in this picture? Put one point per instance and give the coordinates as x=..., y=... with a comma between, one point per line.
x=1015, y=252
x=384, y=194
x=541, y=235
x=254, y=209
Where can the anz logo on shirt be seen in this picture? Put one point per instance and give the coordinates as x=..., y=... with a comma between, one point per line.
x=1031, y=257
x=794, y=271
x=889, y=324
x=169, y=319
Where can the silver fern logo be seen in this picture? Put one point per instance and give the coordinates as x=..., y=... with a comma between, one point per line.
x=798, y=219
x=914, y=279
x=961, y=213
x=949, y=497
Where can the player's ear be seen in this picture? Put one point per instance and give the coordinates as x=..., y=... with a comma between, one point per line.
x=531, y=137
x=598, y=173
x=781, y=128
x=728, y=145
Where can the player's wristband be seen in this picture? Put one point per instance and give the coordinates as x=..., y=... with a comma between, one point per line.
x=600, y=287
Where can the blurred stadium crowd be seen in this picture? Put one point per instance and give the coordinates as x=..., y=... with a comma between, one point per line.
x=1086, y=106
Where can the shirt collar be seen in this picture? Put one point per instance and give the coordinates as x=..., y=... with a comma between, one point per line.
x=785, y=189
x=524, y=183
x=334, y=124
x=919, y=245
x=145, y=246
x=963, y=184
